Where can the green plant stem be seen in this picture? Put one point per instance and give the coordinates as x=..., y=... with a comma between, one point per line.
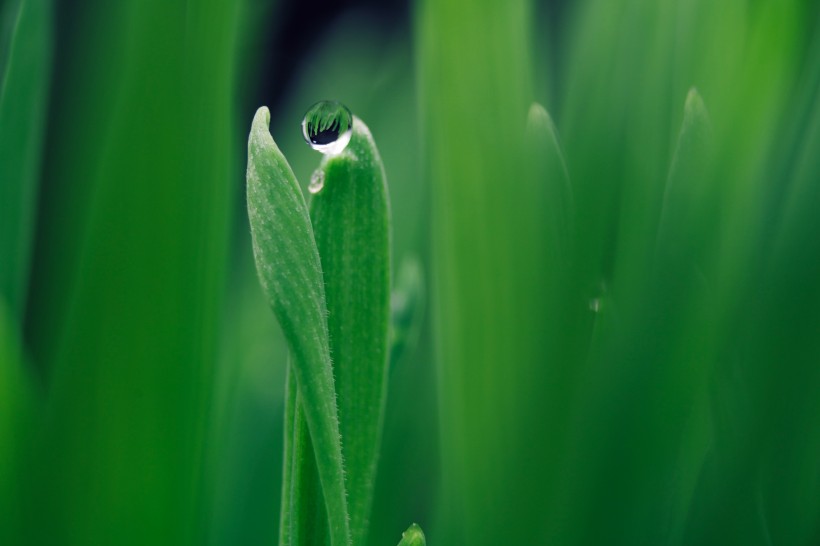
x=303, y=508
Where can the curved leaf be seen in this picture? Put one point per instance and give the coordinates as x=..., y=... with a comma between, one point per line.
x=290, y=273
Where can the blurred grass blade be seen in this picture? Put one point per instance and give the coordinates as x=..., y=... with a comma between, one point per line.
x=15, y=406
x=25, y=67
x=682, y=230
x=788, y=325
x=291, y=275
x=127, y=289
x=550, y=171
x=413, y=536
x=351, y=221
x=492, y=271
x=653, y=444
x=687, y=230
x=407, y=304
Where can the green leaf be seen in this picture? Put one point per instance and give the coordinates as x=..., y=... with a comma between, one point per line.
x=303, y=510
x=287, y=458
x=25, y=67
x=685, y=217
x=413, y=536
x=550, y=172
x=662, y=398
x=489, y=268
x=289, y=270
x=352, y=225
x=351, y=219
x=677, y=305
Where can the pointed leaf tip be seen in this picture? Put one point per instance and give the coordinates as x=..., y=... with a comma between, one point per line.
x=695, y=114
x=413, y=536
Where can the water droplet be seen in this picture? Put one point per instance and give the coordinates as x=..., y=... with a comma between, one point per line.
x=595, y=305
x=317, y=181
x=327, y=127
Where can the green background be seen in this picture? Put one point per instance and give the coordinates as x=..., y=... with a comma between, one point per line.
x=621, y=337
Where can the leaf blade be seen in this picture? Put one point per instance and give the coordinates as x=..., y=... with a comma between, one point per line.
x=351, y=219
x=291, y=276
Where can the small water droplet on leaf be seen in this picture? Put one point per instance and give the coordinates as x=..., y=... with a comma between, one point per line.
x=317, y=181
x=327, y=127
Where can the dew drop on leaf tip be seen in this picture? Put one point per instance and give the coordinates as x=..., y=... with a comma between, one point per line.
x=327, y=128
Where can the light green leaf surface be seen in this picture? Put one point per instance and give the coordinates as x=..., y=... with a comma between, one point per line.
x=352, y=227
x=351, y=220
x=291, y=276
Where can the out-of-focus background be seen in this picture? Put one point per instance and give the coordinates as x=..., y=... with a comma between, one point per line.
x=620, y=338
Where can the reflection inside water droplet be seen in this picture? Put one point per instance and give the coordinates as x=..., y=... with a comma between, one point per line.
x=327, y=127
x=317, y=181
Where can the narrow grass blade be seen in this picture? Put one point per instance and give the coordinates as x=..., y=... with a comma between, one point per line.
x=24, y=76
x=291, y=276
x=413, y=536
x=684, y=220
x=351, y=219
x=653, y=443
x=15, y=410
x=407, y=306
x=563, y=310
x=550, y=173
x=491, y=271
